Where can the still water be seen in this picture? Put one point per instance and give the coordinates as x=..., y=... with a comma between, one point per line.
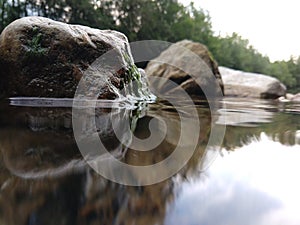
x=252, y=178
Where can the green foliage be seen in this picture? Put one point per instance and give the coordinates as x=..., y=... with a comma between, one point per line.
x=133, y=73
x=133, y=78
x=235, y=52
x=280, y=70
x=9, y=11
x=165, y=20
x=35, y=49
x=294, y=69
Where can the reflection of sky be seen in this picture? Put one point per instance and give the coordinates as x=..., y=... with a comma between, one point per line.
x=257, y=184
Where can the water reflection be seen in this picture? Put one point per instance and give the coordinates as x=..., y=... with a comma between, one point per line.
x=257, y=184
x=246, y=120
x=45, y=180
x=36, y=142
x=42, y=167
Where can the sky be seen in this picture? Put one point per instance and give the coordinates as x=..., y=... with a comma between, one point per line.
x=272, y=27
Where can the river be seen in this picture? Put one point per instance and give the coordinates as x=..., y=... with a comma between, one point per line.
x=237, y=163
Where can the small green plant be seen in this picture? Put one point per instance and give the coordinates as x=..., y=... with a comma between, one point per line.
x=35, y=48
x=133, y=72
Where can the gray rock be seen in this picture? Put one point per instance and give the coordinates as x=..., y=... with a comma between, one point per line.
x=289, y=96
x=40, y=57
x=183, y=63
x=243, y=84
x=296, y=98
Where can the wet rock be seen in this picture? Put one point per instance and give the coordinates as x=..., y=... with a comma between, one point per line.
x=183, y=63
x=243, y=84
x=43, y=58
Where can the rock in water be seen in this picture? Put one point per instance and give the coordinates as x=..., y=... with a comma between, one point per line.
x=183, y=63
x=296, y=98
x=40, y=57
x=243, y=84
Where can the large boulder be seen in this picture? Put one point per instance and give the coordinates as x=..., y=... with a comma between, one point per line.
x=190, y=66
x=43, y=58
x=243, y=84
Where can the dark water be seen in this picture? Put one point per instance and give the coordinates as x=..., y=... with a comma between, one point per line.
x=251, y=179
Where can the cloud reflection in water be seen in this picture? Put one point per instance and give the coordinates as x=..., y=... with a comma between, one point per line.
x=255, y=184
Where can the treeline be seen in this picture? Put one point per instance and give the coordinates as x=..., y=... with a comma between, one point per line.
x=165, y=20
x=235, y=52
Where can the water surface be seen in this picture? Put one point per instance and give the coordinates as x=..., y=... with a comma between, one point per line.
x=251, y=179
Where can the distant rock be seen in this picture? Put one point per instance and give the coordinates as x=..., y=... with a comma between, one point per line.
x=296, y=98
x=183, y=63
x=40, y=57
x=290, y=98
x=243, y=84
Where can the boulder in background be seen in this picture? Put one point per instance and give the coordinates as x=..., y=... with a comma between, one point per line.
x=183, y=63
x=244, y=84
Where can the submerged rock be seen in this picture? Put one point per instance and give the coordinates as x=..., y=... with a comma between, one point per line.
x=243, y=84
x=40, y=57
x=183, y=63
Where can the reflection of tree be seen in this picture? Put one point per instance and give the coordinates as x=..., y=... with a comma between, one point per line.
x=246, y=119
x=109, y=203
x=283, y=128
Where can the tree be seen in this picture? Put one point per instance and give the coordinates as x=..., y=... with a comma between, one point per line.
x=9, y=11
x=280, y=70
x=294, y=68
x=165, y=20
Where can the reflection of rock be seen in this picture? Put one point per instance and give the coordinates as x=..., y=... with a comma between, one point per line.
x=81, y=196
x=46, y=201
x=42, y=57
x=171, y=120
x=244, y=84
x=185, y=55
x=37, y=155
x=39, y=142
x=162, y=151
x=117, y=204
